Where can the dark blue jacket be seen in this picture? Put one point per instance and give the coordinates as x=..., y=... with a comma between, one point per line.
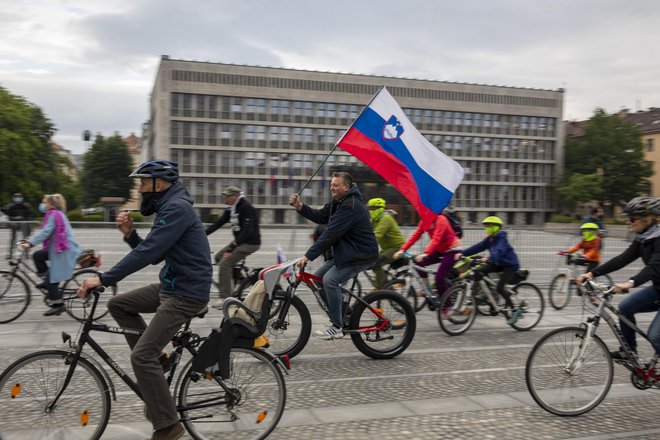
x=177, y=237
x=349, y=233
x=501, y=251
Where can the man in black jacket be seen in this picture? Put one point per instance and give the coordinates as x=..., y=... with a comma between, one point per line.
x=20, y=215
x=350, y=238
x=177, y=237
x=244, y=222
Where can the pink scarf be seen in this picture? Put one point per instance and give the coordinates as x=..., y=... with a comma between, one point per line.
x=61, y=243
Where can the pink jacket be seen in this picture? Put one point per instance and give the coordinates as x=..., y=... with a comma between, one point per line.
x=443, y=237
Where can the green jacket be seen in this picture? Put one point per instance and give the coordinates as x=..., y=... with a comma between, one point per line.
x=387, y=231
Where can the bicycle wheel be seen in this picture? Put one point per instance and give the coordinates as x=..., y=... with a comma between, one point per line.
x=248, y=405
x=399, y=286
x=28, y=386
x=14, y=297
x=560, y=291
x=380, y=339
x=288, y=328
x=561, y=380
x=76, y=307
x=457, y=310
x=529, y=298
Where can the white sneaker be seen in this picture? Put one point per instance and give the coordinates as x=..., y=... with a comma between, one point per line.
x=331, y=332
x=218, y=304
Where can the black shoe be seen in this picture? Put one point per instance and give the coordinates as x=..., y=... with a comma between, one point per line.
x=619, y=355
x=42, y=285
x=55, y=310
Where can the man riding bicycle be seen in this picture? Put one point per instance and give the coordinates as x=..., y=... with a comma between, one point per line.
x=350, y=238
x=177, y=237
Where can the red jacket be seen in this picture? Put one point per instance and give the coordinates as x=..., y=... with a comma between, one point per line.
x=443, y=237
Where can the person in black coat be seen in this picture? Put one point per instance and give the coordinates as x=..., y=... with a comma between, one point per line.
x=20, y=216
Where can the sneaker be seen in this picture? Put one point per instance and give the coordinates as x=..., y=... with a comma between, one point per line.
x=331, y=332
x=165, y=361
x=218, y=304
x=172, y=432
x=56, y=309
x=517, y=313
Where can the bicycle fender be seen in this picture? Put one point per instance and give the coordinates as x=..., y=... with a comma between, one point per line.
x=276, y=360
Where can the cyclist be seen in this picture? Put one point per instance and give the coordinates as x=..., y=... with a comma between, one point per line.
x=349, y=236
x=389, y=236
x=19, y=214
x=643, y=214
x=244, y=222
x=590, y=245
x=178, y=237
x=443, y=246
x=59, y=247
x=502, y=259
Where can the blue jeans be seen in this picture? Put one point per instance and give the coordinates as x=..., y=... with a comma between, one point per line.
x=642, y=301
x=333, y=278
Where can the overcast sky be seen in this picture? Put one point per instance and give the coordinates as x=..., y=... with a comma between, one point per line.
x=90, y=64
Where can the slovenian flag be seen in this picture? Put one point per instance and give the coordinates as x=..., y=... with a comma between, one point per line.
x=385, y=140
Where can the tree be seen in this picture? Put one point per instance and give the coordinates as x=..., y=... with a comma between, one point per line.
x=29, y=165
x=107, y=166
x=580, y=188
x=611, y=147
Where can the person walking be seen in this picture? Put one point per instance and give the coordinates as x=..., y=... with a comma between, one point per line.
x=20, y=216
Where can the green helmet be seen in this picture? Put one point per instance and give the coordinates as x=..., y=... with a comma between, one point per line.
x=493, y=220
x=377, y=202
x=589, y=226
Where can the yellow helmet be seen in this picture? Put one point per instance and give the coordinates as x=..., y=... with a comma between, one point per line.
x=493, y=220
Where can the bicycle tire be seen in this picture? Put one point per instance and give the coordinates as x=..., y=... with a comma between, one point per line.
x=288, y=331
x=29, y=384
x=398, y=286
x=77, y=308
x=257, y=380
x=401, y=330
x=14, y=296
x=560, y=291
x=458, y=310
x=558, y=388
x=529, y=298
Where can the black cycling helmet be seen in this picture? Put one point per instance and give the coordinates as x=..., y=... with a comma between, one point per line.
x=641, y=206
x=162, y=169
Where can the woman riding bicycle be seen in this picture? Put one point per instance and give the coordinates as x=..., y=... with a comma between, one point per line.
x=442, y=247
x=643, y=214
x=502, y=259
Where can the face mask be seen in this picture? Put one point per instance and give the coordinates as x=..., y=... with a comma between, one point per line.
x=42, y=208
x=148, y=204
x=18, y=199
x=491, y=230
x=588, y=235
x=375, y=213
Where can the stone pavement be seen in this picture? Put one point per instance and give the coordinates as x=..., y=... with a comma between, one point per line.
x=465, y=387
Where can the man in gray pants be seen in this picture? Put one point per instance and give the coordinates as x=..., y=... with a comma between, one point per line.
x=177, y=237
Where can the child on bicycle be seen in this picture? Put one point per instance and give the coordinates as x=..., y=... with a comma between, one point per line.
x=502, y=259
x=644, y=215
x=590, y=245
x=388, y=235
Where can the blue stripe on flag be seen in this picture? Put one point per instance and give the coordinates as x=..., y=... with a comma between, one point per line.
x=432, y=194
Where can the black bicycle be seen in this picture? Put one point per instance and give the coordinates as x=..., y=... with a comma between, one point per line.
x=68, y=394
x=16, y=286
x=243, y=278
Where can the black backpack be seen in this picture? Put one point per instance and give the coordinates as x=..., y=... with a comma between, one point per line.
x=455, y=224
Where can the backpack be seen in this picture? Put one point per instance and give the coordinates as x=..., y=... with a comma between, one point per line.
x=455, y=225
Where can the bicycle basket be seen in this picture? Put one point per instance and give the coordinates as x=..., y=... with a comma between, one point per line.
x=88, y=259
x=520, y=276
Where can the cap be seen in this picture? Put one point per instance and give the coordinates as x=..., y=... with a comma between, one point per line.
x=231, y=191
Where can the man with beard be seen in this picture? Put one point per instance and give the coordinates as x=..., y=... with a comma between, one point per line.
x=177, y=237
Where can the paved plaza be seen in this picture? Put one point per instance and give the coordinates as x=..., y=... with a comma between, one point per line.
x=465, y=387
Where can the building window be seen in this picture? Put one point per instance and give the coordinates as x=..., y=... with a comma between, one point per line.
x=650, y=145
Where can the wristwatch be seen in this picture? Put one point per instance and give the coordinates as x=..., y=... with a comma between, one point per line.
x=632, y=281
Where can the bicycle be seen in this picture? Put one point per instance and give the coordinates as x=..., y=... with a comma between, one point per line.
x=409, y=285
x=370, y=320
x=243, y=278
x=392, y=270
x=458, y=307
x=68, y=394
x=16, y=283
x=562, y=286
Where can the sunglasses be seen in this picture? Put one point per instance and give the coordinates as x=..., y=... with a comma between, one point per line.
x=633, y=219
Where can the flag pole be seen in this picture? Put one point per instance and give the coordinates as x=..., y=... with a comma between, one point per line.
x=337, y=143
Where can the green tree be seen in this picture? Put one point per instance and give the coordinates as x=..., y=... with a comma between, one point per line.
x=611, y=147
x=107, y=165
x=29, y=163
x=580, y=188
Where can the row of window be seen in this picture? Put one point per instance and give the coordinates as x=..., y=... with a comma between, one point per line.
x=225, y=107
x=365, y=89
